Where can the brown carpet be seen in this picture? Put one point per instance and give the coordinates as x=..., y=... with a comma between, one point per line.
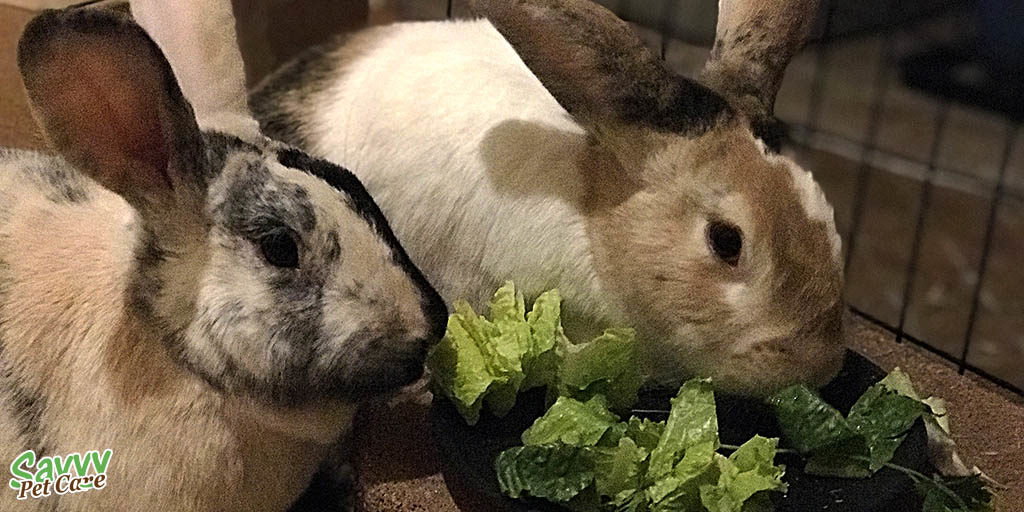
x=17, y=128
x=397, y=461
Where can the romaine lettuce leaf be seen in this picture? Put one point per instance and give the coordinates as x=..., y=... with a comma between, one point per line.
x=941, y=446
x=692, y=420
x=748, y=471
x=884, y=417
x=855, y=446
x=555, y=472
x=475, y=358
x=460, y=369
x=491, y=361
x=587, y=460
x=607, y=366
x=571, y=422
x=484, y=360
x=617, y=470
x=818, y=430
x=541, y=362
x=644, y=432
x=680, y=490
x=511, y=341
x=807, y=421
x=508, y=305
x=960, y=494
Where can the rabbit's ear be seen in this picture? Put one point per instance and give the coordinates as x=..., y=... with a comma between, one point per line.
x=597, y=68
x=754, y=42
x=109, y=103
x=199, y=40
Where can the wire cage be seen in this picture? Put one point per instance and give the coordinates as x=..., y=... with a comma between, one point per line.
x=947, y=174
x=928, y=189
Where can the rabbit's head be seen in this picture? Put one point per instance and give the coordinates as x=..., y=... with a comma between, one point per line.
x=723, y=253
x=264, y=271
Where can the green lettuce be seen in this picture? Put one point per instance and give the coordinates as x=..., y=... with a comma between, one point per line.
x=544, y=320
x=748, y=471
x=555, y=472
x=867, y=438
x=680, y=488
x=482, y=360
x=958, y=494
x=605, y=366
x=644, y=432
x=692, y=420
x=884, y=417
x=854, y=446
x=818, y=430
x=571, y=422
x=580, y=455
x=940, y=439
x=589, y=460
x=490, y=361
x=618, y=470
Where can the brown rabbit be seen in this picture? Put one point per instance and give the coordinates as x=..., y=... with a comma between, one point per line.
x=545, y=144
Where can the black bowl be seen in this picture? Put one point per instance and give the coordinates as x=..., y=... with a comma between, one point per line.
x=468, y=453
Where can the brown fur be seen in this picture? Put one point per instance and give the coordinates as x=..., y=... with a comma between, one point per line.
x=657, y=180
x=600, y=71
x=674, y=282
x=755, y=41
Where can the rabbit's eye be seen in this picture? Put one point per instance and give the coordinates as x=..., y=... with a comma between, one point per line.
x=280, y=248
x=726, y=241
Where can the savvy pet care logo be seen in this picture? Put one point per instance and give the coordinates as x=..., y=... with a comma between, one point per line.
x=58, y=475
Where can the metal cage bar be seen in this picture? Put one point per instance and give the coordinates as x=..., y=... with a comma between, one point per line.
x=922, y=215
x=976, y=181
x=668, y=11
x=997, y=196
x=817, y=95
x=881, y=85
x=882, y=324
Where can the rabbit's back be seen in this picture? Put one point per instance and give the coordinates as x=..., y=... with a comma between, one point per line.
x=65, y=246
x=61, y=234
x=433, y=77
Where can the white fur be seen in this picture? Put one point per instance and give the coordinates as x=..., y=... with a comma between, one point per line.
x=439, y=167
x=198, y=38
x=812, y=197
x=813, y=200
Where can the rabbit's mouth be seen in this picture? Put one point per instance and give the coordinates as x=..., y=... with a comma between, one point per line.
x=401, y=377
x=381, y=372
